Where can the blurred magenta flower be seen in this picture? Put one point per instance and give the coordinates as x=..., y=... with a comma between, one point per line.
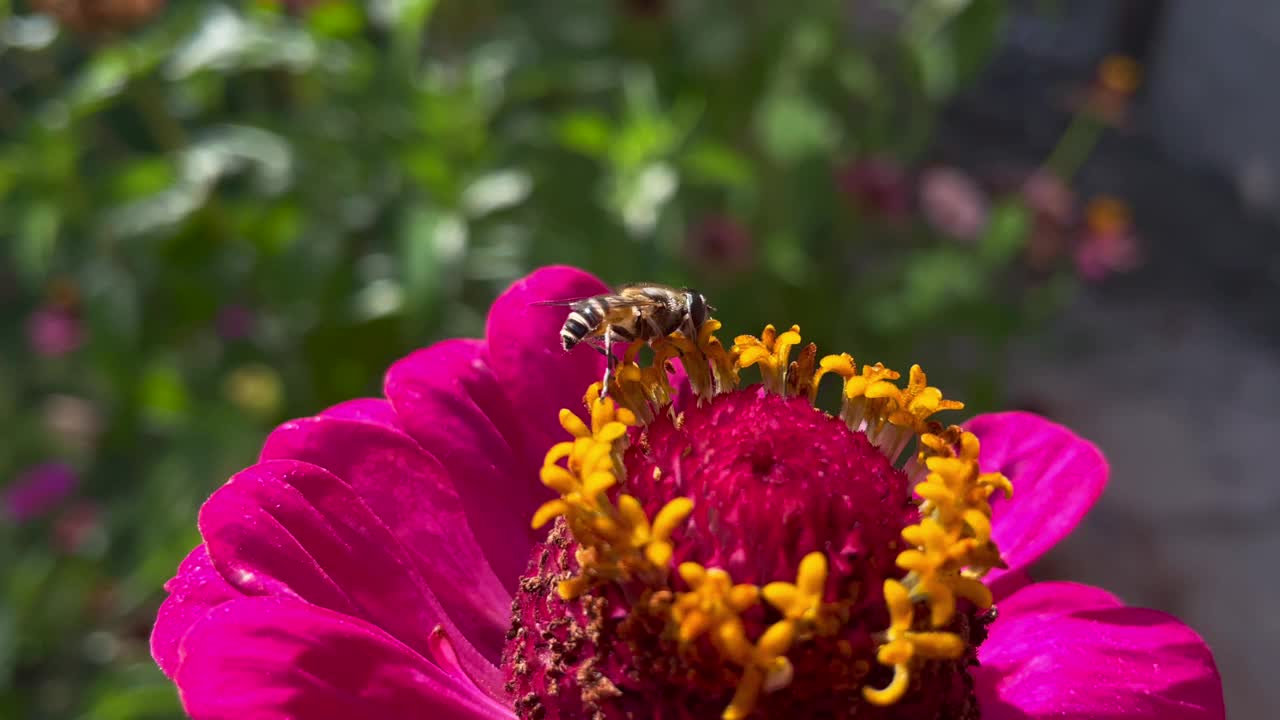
x=952, y=202
x=877, y=185
x=1108, y=243
x=234, y=322
x=720, y=244
x=715, y=550
x=54, y=331
x=37, y=490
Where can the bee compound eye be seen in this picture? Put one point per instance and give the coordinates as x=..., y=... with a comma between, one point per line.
x=697, y=308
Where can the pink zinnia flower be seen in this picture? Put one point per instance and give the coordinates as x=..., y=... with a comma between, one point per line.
x=37, y=490
x=1107, y=243
x=54, y=331
x=715, y=549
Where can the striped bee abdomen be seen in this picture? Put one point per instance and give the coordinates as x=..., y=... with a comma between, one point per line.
x=585, y=318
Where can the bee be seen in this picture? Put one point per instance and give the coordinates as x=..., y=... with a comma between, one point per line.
x=641, y=311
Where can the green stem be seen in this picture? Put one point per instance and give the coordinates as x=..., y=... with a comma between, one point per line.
x=1075, y=146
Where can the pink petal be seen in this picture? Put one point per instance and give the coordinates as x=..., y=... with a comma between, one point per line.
x=278, y=659
x=374, y=410
x=1004, y=584
x=447, y=399
x=195, y=590
x=1057, y=476
x=289, y=528
x=409, y=491
x=524, y=349
x=682, y=397
x=1072, y=652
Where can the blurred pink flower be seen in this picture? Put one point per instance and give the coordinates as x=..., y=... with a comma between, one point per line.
x=719, y=243
x=1053, y=207
x=75, y=526
x=234, y=322
x=73, y=420
x=952, y=202
x=878, y=185
x=37, y=490
x=379, y=560
x=54, y=331
x=1110, y=97
x=1108, y=243
x=1046, y=194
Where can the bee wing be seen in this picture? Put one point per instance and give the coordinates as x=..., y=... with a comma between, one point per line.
x=615, y=301
x=560, y=303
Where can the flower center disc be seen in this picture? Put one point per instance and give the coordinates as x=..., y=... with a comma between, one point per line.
x=772, y=480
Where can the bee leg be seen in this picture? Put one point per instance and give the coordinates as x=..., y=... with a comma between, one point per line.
x=608, y=366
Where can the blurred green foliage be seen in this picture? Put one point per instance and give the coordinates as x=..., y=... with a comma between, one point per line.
x=232, y=214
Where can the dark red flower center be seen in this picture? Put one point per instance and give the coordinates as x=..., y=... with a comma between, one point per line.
x=772, y=480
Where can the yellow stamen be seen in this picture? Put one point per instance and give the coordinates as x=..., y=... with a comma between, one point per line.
x=949, y=549
x=905, y=412
x=711, y=369
x=771, y=351
x=714, y=605
x=615, y=537
x=903, y=645
x=801, y=602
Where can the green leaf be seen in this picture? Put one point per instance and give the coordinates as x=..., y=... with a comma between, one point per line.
x=718, y=164
x=27, y=33
x=641, y=140
x=228, y=41
x=496, y=191
x=858, y=75
x=335, y=18
x=585, y=132
x=640, y=196
x=974, y=35
x=933, y=65
x=164, y=397
x=37, y=240
x=792, y=126
x=8, y=642
x=143, y=177
x=137, y=702
x=432, y=246
x=106, y=76
x=408, y=20
x=786, y=258
x=1006, y=233
x=810, y=43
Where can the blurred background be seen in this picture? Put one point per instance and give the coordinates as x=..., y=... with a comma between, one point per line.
x=215, y=216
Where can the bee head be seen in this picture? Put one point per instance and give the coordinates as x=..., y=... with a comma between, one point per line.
x=698, y=308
